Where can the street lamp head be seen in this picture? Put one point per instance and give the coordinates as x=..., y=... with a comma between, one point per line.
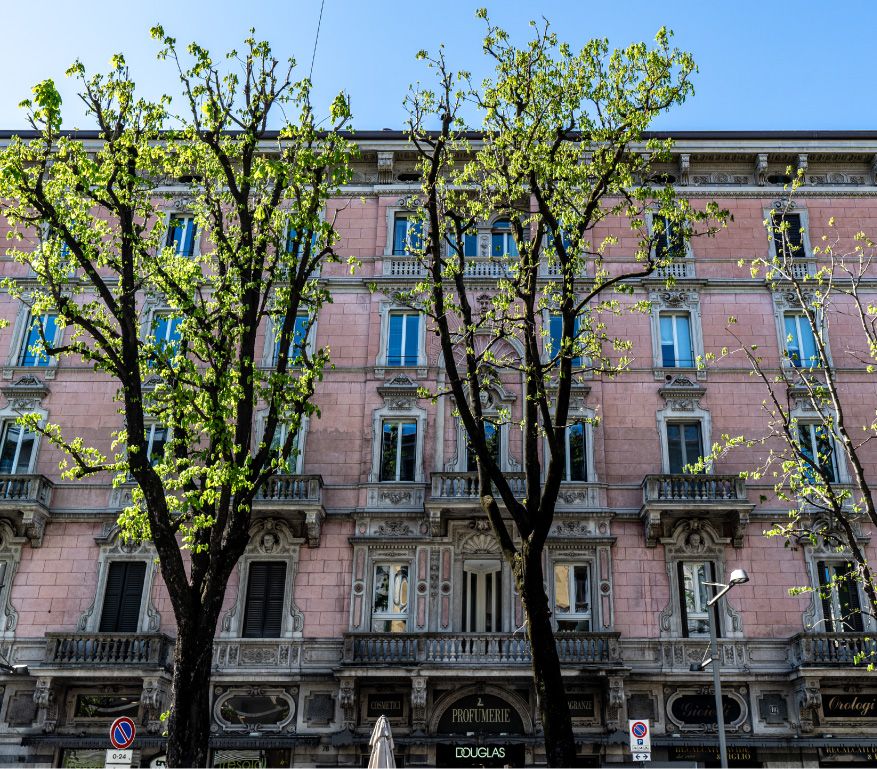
x=738, y=577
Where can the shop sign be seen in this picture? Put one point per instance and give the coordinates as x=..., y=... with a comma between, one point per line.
x=481, y=714
x=239, y=759
x=849, y=705
x=848, y=754
x=704, y=753
x=390, y=705
x=471, y=754
x=701, y=709
x=582, y=704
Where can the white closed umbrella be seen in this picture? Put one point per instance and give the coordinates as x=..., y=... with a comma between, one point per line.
x=382, y=746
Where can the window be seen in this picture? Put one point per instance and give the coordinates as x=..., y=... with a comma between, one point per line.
x=470, y=244
x=16, y=449
x=575, y=455
x=839, y=594
x=156, y=438
x=482, y=596
x=166, y=330
x=572, y=597
x=263, y=615
x=291, y=235
x=32, y=349
x=676, y=349
x=684, y=445
x=788, y=235
x=390, y=607
x=493, y=438
x=817, y=445
x=555, y=333
x=299, y=340
x=182, y=232
x=669, y=243
x=407, y=234
x=398, y=450
x=695, y=594
x=122, y=597
x=800, y=342
x=403, y=339
x=564, y=239
x=502, y=242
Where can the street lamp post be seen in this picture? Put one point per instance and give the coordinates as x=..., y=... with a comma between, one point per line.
x=738, y=577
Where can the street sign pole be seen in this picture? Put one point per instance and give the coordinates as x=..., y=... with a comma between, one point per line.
x=640, y=739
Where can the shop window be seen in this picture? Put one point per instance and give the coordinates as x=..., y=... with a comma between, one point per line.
x=390, y=605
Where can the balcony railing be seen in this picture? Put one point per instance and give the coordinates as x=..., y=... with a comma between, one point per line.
x=677, y=269
x=845, y=649
x=465, y=485
x=25, y=488
x=693, y=488
x=135, y=649
x=292, y=488
x=476, y=649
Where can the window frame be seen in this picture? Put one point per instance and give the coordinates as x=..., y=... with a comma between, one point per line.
x=408, y=215
x=676, y=301
x=812, y=427
x=800, y=322
x=685, y=614
x=7, y=422
x=687, y=251
x=388, y=616
x=573, y=616
x=25, y=344
x=679, y=361
x=196, y=237
x=400, y=422
x=579, y=362
x=405, y=315
x=386, y=310
x=507, y=235
x=677, y=422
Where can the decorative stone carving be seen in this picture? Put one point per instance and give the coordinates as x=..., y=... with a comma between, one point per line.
x=25, y=395
x=761, y=169
x=45, y=697
x=394, y=529
x=347, y=700
x=809, y=704
x=684, y=167
x=802, y=163
x=418, y=703
x=615, y=704
x=720, y=179
x=837, y=180
x=681, y=394
x=313, y=526
x=399, y=393
x=152, y=698
x=385, y=167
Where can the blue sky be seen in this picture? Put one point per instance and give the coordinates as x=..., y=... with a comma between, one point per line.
x=807, y=65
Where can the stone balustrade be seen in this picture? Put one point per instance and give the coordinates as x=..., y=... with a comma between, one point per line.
x=678, y=269
x=292, y=488
x=25, y=488
x=464, y=649
x=700, y=489
x=834, y=649
x=111, y=649
x=465, y=485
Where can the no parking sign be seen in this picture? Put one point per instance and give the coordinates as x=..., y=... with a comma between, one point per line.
x=640, y=739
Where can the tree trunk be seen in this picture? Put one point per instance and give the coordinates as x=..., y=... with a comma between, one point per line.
x=560, y=746
x=189, y=723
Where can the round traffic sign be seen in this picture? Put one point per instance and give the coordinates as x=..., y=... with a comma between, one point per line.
x=122, y=733
x=639, y=729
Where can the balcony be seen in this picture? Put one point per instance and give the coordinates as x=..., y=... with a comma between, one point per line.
x=26, y=499
x=834, y=650
x=678, y=269
x=129, y=650
x=475, y=649
x=298, y=496
x=456, y=495
x=719, y=498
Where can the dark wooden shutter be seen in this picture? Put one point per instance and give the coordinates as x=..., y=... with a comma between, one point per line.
x=122, y=597
x=683, y=611
x=717, y=616
x=851, y=606
x=825, y=595
x=266, y=585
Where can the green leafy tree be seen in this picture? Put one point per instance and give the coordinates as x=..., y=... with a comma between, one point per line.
x=559, y=153
x=99, y=210
x=812, y=427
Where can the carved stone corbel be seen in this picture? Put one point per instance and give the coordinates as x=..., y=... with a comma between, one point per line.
x=684, y=168
x=313, y=526
x=809, y=699
x=652, y=525
x=33, y=523
x=802, y=164
x=347, y=700
x=615, y=704
x=418, y=703
x=46, y=699
x=435, y=522
x=761, y=169
x=153, y=699
x=874, y=170
x=740, y=528
x=385, y=167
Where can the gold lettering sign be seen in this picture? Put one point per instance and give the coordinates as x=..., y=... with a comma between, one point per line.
x=849, y=705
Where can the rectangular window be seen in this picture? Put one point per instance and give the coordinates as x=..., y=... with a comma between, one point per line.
x=695, y=594
x=493, y=438
x=676, y=348
x=390, y=607
x=669, y=243
x=684, y=445
x=788, y=237
x=839, y=593
x=407, y=234
x=122, y=597
x=166, y=330
x=299, y=340
x=555, y=335
x=818, y=446
x=156, y=438
x=575, y=456
x=291, y=235
x=16, y=449
x=182, y=233
x=290, y=465
x=32, y=350
x=266, y=585
x=398, y=450
x=572, y=597
x=482, y=594
x=403, y=339
x=502, y=241
x=800, y=342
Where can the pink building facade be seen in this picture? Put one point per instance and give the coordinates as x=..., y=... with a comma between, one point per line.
x=395, y=598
